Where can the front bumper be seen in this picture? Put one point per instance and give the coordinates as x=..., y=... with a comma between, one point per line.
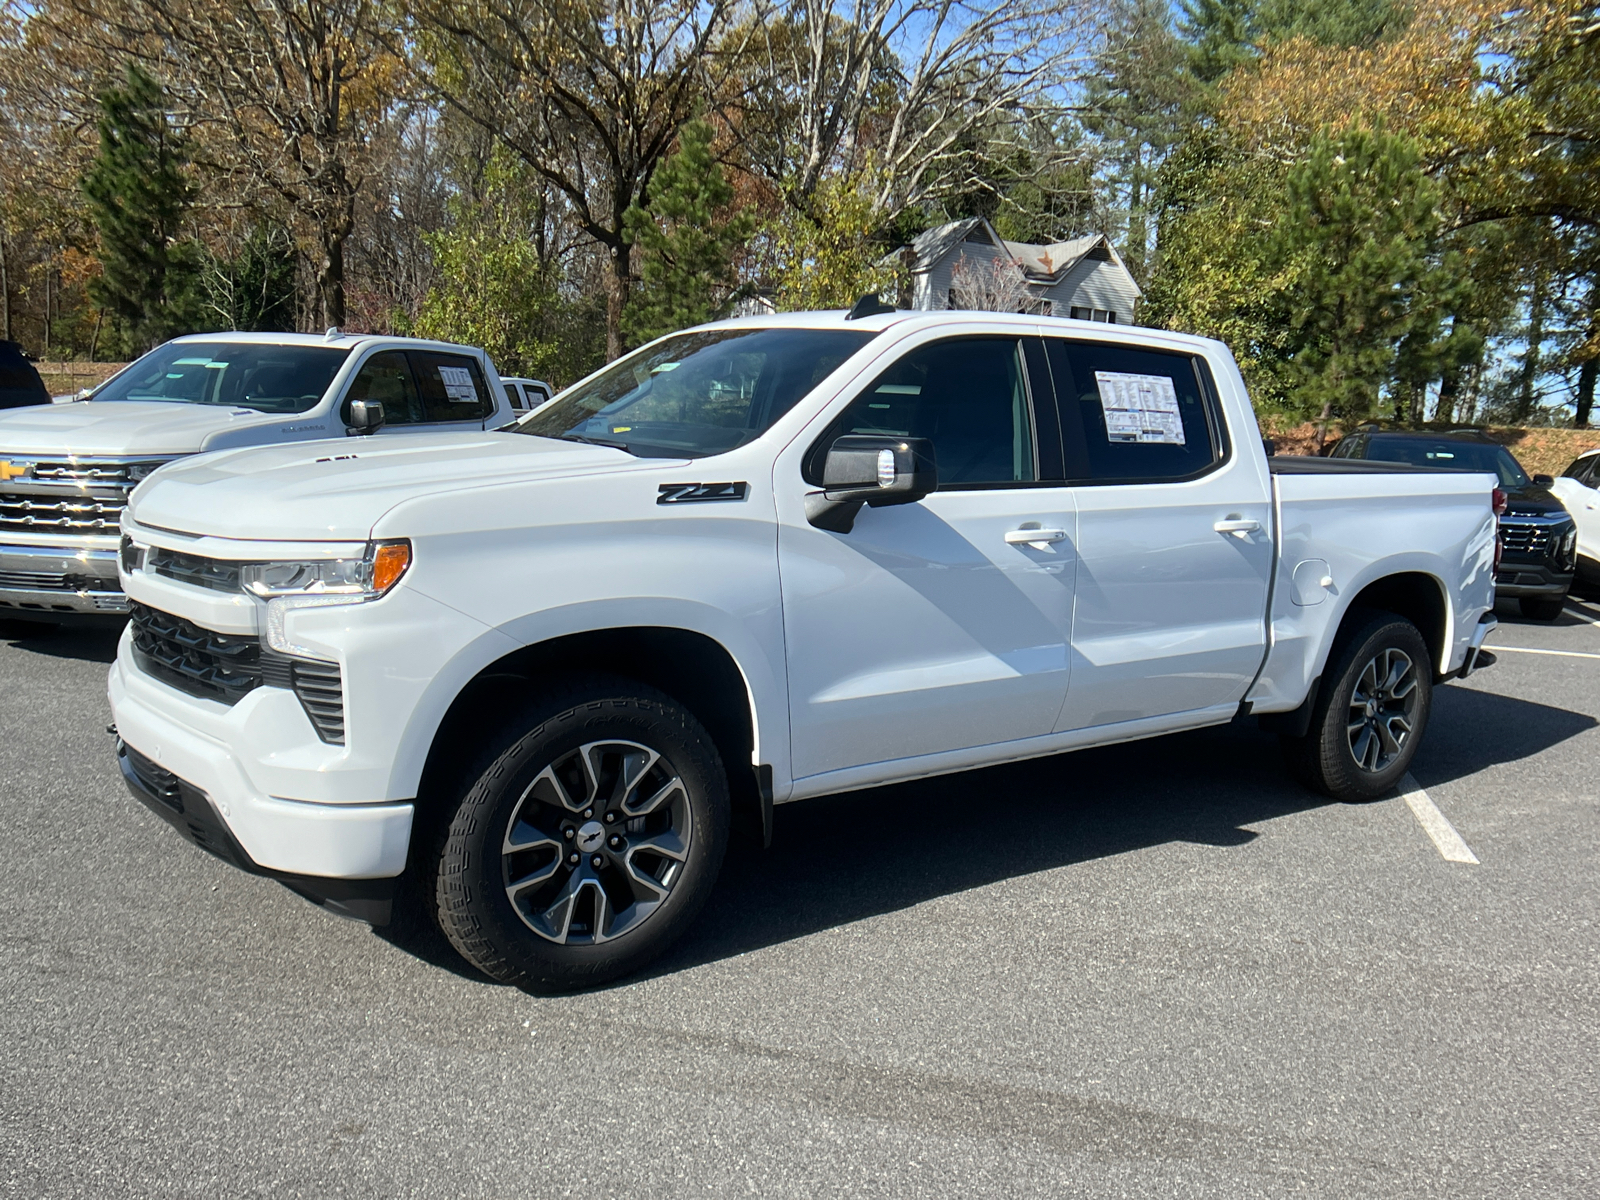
x=191, y=812
x=273, y=835
x=1515, y=580
x=49, y=580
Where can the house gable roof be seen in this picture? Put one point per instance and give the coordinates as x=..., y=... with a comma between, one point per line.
x=1042, y=264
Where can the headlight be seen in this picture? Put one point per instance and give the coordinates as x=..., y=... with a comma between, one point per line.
x=319, y=583
x=343, y=580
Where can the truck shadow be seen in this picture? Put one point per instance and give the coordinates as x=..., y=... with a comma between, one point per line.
x=90, y=641
x=840, y=859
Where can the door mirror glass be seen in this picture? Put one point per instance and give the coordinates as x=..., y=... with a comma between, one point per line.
x=1544, y=480
x=366, y=416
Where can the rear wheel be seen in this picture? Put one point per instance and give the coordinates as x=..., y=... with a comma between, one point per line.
x=587, y=844
x=1370, y=714
x=1542, y=608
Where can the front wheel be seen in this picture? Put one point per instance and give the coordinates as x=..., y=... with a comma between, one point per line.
x=1542, y=608
x=587, y=844
x=1370, y=713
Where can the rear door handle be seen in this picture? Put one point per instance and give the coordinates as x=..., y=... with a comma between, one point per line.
x=1034, y=537
x=1239, y=528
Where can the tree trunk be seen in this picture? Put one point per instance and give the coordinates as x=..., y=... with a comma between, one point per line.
x=1449, y=393
x=1586, y=375
x=330, y=278
x=1322, y=424
x=616, y=299
x=5, y=287
x=1530, y=357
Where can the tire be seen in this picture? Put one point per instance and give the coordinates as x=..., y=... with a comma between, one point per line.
x=507, y=893
x=1541, y=608
x=1370, y=715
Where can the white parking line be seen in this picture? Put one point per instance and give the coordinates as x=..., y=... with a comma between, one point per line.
x=1530, y=650
x=1450, y=846
x=1581, y=611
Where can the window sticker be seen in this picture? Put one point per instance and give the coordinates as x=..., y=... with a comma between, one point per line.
x=458, y=383
x=1140, y=408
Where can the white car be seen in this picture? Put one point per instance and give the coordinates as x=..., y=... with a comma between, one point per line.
x=66, y=469
x=1578, y=488
x=531, y=671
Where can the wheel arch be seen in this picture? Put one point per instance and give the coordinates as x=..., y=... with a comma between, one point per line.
x=1418, y=596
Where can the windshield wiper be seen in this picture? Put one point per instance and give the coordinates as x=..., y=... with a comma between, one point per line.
x=594, y=441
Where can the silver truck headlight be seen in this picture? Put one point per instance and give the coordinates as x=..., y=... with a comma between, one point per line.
x=321, y=583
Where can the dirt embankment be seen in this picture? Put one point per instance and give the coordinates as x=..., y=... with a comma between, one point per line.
x=65, y=378
x=1540, y=451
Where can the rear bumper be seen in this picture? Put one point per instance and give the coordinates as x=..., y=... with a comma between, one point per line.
x=48, y=580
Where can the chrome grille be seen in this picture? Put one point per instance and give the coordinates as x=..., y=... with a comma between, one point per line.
x=52, y=581
x=23, y=512
x=1525, y=539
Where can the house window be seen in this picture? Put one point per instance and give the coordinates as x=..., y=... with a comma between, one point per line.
x=1093, y=314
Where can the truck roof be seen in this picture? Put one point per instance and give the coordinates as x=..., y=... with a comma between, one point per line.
x=343, y=340
x=907, y=319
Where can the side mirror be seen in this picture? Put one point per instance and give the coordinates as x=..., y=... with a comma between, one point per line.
x=873, y=470
x=366, y=416
x=1270, y=446
x=1544, y=480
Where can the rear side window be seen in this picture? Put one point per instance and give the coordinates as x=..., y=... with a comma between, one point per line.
x=451, y=387
x=968, y=396
x=1133, y=415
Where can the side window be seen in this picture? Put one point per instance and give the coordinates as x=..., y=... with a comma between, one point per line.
x=1133, y=415
x=969, y=396
x=514, y=394
x=1584, y=470
x=451, y=386
x=387, y=378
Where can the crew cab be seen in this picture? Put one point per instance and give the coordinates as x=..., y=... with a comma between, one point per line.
x=66, y=469
x=524, y=676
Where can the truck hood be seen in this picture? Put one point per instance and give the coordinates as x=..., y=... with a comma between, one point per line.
x=337, y=490
x=123, y=427
x=1531, y=500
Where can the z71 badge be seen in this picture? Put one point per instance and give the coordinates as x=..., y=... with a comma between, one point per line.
x=700, y=493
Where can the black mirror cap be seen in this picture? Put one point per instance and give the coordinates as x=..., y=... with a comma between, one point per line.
x=366, y=416
x=1270, y=446
x=879, y=469
x=1544, y=480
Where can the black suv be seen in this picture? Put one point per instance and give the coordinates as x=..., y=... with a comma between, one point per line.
x=1537, y=535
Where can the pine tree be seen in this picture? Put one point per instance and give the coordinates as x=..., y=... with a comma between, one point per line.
x=1360, y=239
x=137, y=195
x=686, y=240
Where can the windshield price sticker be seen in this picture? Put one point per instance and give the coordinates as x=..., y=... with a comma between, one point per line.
x=458, y=383
x=1140, y=408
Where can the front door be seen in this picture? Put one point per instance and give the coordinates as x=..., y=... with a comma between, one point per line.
x=1173, y=537
x=925, y=629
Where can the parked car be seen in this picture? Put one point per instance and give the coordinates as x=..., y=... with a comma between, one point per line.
x=526, y=674
x=1579, y=489
x=20, y=385
x=525, y=394
x=1537, y=534
x=66, y=469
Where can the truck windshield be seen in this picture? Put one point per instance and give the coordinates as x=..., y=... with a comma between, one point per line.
x=1453, y=455
x=697, y=394
x=266, y=378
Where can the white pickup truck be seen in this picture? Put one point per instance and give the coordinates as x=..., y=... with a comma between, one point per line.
x=525, y=675
x=66, y=469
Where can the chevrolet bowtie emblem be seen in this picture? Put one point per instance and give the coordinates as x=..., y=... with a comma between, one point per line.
x=12, y=470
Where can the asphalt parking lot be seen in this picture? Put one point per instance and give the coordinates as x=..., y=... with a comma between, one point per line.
x=1156, y=970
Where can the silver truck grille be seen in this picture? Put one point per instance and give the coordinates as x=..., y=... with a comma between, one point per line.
x=37, y=513
x=1525, y=539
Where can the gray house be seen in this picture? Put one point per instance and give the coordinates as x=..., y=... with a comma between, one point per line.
x=966, y=264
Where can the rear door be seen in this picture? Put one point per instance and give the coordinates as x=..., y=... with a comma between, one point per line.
x=924, y=629
x=1173, y=540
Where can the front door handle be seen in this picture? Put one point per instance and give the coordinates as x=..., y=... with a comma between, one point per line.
x=1034, y=537
x=1239, y=528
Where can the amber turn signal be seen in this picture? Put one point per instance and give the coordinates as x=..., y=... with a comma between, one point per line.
x=388, y=564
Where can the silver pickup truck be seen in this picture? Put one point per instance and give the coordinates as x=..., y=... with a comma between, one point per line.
x=66, y=469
